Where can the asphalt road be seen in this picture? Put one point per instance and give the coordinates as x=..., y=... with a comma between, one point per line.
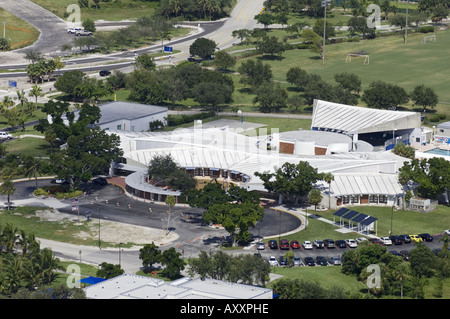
x=108, y=203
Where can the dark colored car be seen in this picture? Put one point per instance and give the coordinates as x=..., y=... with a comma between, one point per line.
x=396, y=240
x=283, y=261
x=406, y=239
x=100, y=181
x=404, y=254
x=284, y=244
x=295, y=244
x=104, y=73
x=375, y=241
x=329, y=243
x=273, y=244
x=395, y=253
x=309, y=261
x=340, y=243
x=426, y=237
x=321, y=261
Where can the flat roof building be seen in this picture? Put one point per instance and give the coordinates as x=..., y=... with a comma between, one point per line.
x=129, y=286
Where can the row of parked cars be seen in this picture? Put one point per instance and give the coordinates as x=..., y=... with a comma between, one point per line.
x=351, y=243
x=307, y=261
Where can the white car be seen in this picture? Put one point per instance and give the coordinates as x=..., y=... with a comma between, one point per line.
x=273, y=261
x=5, y=136
x=351, y=243
x=260, y=246
x=447, y=232
x=359, y=240
x=73, y=30
x=386, y=241
x=307, y=244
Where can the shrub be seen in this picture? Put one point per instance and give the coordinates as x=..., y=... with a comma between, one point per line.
x=426, y=29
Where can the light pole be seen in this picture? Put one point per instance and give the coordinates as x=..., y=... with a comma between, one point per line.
x=406, y=22
x=4, y=30
x=120, y=254
x=325, y=3
x=239, y=112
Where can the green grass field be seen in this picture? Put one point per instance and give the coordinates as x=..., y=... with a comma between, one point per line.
x=18, y=32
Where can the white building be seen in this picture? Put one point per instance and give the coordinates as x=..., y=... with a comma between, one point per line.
x=129, y=286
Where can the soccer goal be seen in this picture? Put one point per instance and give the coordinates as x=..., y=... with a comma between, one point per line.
x=350, y=56
x=428, y=38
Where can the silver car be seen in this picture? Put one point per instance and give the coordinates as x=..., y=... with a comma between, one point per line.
x=336, y=261
x=260, y=246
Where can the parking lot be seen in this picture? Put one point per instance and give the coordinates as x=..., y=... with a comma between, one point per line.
x=332, y=256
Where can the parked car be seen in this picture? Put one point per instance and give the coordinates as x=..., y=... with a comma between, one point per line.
x=295, y=244
x=273, y=261
x=386, y=241
x=283, y=261
x=318, y=243
x=426, y=237
x=73, y=30
x=59, y=181
x=340, y=243
x=307, y=244
x=100, y=181
x=336, y=261
x=361, y=239
x=416, y=238
x=260, y=246
x=284, y=244
x=309, y=261
x=447, y=232
x=406, y=239
x=404, y=254
x=5, y=136
x=396, y=240
x=104, y=73
x=297, y=261
x=395, y=253
x=329, y=243
x=86, y=33
x=375, y=241
x=273, y=244
x=321, y=261
x=351, y=243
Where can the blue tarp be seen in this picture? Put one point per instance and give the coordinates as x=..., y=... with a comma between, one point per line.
x=91, y=280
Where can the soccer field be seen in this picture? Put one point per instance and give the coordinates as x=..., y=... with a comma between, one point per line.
x=391, y=60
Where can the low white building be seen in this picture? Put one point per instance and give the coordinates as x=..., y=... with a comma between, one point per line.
x=129, y=286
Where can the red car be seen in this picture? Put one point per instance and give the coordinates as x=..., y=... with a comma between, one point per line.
x=284, y=244
x=295, y=244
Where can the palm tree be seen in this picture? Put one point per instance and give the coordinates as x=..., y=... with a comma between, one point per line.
x=7, y=188
x=32, y=167
x=170, y=201
x=21, y=97
x=36, y=91
x=328, y=178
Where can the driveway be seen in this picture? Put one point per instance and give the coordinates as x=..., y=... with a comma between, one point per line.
x=53, y=29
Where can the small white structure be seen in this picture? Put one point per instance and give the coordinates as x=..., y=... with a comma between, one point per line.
x=130, y=286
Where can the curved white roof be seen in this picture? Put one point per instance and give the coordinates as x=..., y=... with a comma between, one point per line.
x=353, y=119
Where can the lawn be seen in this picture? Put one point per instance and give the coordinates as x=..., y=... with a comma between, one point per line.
x=18, y=32
x=406, y=65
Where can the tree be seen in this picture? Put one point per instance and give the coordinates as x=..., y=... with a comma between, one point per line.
x=89, y=25
x=254, y=73
x=36, y=91
x=382, y=95
x=424, y=97
x=348, y=81
x=170, y=258
x=203, y=48
x=67, y=82
x=7, y=188
x=4, y=45
x=315, y=198
x=313, y=40
x=271, y=97
x=422, y=260
x=319, y=25
x=359, y=25
x=145, y=87
x=33, y=55
x=108, y=271
x=33, y=167
x=297, y=77
x=223, y=60
x=401, y=149
x=265, y=18
x=271, y=46
x=328, y=178
x=150, y=254
x=291, y=181
x=145, y=61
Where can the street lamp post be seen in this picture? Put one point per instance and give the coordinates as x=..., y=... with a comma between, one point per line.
x=120, y=254
x=239, y=112
x=4, y=30
x=406, y=21
x=325, y=3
